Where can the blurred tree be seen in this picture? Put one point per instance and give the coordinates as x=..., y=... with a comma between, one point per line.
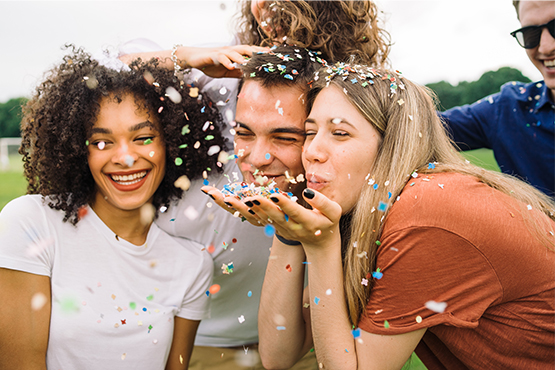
x=10, y=117
x=468, y=92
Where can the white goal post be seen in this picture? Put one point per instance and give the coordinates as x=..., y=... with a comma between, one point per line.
x=5, y=142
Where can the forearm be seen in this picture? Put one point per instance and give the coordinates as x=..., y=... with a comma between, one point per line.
x=331, y=327
x=284, y=337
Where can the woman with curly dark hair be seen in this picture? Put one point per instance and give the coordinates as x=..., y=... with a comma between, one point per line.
x=88, y=279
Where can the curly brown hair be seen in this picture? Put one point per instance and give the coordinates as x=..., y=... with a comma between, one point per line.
x=339, y=29
x=57, y=122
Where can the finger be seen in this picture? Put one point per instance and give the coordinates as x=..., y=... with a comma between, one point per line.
x=244, y=211
x=248, y=50
x=323, y=204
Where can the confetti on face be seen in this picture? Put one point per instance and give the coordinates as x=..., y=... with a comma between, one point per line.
x=316, y=300
x=101, y=145
x=438, y=307
x=328, y=292
x=279, y=328
x=288, y=268
x=129, y=161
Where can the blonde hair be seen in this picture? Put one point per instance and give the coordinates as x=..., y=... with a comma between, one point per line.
x=338, y=29
x=413, y=136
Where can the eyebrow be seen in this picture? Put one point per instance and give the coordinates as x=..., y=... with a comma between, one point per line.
x=137, y=127
x=330, y=121
x=277, y=130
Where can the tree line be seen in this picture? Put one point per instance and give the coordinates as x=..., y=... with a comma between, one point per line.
x=449, y=96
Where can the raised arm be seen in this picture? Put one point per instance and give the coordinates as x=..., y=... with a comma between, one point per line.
x=24, y=319
x=214, y=62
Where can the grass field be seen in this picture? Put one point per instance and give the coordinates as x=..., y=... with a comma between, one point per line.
x=12, y=182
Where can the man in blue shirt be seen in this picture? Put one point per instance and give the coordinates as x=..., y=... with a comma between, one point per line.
x=518, y=122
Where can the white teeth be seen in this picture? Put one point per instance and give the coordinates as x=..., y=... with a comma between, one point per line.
x=549, y=63
x=129, y=179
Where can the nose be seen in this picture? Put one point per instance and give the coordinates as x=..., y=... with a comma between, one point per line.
x=316, y=149
x=260, y=154
x=124, y=155
x=547, y=43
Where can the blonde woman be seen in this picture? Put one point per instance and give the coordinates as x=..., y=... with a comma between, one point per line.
x=408, y=247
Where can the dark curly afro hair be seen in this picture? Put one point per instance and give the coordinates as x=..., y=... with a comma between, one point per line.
x=57, y=122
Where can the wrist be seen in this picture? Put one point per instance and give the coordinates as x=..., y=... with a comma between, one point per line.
x=287, y=241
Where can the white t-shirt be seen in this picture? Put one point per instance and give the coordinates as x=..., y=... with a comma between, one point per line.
x=234, y=309
x=113, y=303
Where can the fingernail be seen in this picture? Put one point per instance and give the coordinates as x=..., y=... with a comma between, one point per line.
x=274, y=199
x=256, y=202
x=228, y=204
x=211, y=196
x=251, y=212
x=249, y=203
x=308, y=193
x=203, y=191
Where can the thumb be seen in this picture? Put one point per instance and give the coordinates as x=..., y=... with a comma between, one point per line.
x=323, y=204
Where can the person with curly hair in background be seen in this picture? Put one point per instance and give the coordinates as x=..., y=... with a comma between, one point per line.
x=88, y=280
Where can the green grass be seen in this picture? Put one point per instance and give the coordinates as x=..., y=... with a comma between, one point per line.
x=483, y=158
x=12, y=182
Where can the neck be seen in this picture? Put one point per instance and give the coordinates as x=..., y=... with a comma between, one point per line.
x=125, y=224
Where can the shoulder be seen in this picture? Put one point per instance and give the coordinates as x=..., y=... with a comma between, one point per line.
x=26, y=206
x=520, y=90
x=442, y=200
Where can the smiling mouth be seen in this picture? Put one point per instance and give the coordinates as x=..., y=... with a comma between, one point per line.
x=128, y=179
x=549, y=63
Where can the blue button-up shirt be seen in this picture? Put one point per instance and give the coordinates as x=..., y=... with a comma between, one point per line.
x=518, y=125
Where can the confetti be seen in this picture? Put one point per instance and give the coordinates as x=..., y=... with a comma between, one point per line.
x=249, y=294
x=279, y=328
x=419, y=319
x=241, y=319
x=356, y=333
x=288, y=268
x=191, y=213
x=269, y=230
x=38, y=301
x=178, y=161
x=183, y=183
x=214, y=289
x=364, y=282
x=386, y=324
x=147, y=213
x=328, y=292
x=377, y=274
x=438, y=307
x=193, y=92
x=316, y=300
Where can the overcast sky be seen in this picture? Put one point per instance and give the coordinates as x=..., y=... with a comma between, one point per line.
x=452, y=40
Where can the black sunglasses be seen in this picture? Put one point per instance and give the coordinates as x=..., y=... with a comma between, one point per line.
x=529, y=37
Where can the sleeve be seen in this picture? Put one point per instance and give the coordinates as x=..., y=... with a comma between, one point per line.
x=196, y=302
x=473, y=126
x=26, y=243
x=431, y=276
